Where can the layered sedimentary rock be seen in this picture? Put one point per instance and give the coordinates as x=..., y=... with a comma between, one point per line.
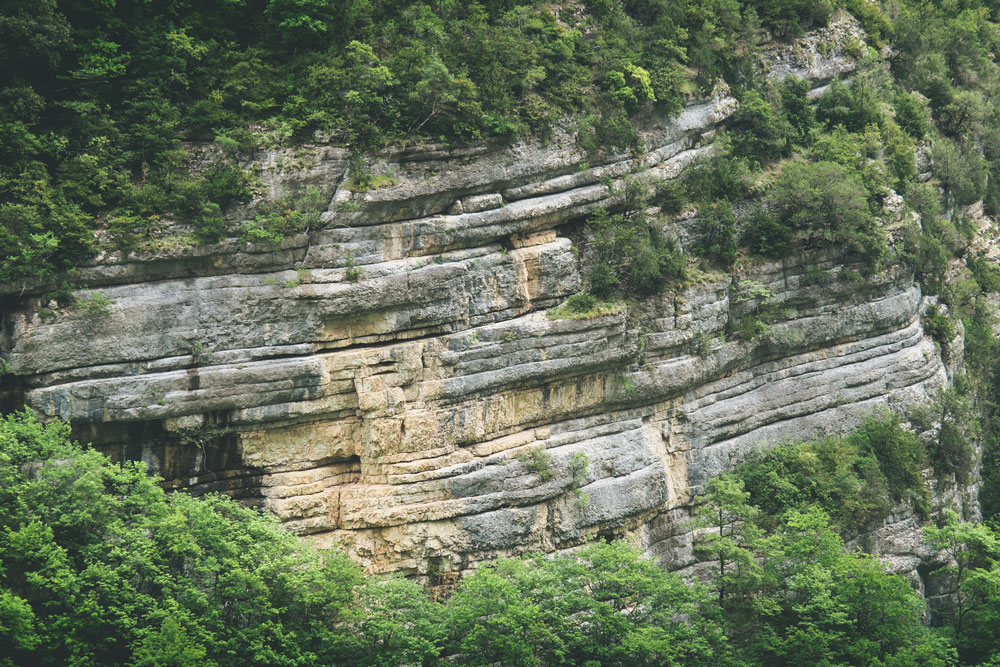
x=387, y=380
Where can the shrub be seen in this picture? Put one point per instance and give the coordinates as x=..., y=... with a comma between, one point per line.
x=756, y=309
x=953, y=418
x=853, y=109
x=584, y=306
x=226, y=184
x=850, y=477
x=798, y=109
x=824, y=206
x=789, y=18
x=631, y=255
x=759, y=132
x=911, y=114
x=764, y=234
x=670, y=196
x=932, y=260
x=581, y=303
x=876, y=24
x=719, y=177
x=275, y=220
x=986, y=273
x=899, y=155
x=939, y=327
x=961, y=170
x=716, y=234
x=96, y=304
x=900, y=454
x=538, y=462
x=352, y=272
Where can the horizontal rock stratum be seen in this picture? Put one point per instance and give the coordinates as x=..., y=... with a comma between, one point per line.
x=382, y=381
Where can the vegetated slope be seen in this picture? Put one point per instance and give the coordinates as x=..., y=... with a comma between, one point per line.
x=99, y=566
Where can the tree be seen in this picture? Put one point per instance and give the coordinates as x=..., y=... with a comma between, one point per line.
x=961, y=171
x=972, y=573
x=603, y=604
x=953, y=419
x=798, y=108
x=911, y=114
x=631, y=255
x=731, y=540
x=303, y=23
x=716, y=234
x=759, y=132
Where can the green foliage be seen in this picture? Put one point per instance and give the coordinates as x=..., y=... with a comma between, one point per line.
x=854, y=109
x=876, y=24
x=795, y=596
x=96, y=100
x=822, y=205
x=731, y=538
x=971, y=577
x=899, y=452
x=798, y=109
x=961, y=170
x=759, y=132
x=932, y=245
x=605, y=604
x=756, y=309
x=579, y=463
x=226, y=184
x=352, y=272
x=953, y=419
x=985, y=272
x=716, y=234
x=898, y=154
x=719, y=177
x=852, y=478
x=939, y=326
x=538, y=462
x=670, y=196
x=788, y=18
x=911, y=114
x=630, y=255
x=863, y=156
x=583, y=306
x=275, y=220
x=98, y=565
x=581, y=303
x=763, y=234
x=95, y=304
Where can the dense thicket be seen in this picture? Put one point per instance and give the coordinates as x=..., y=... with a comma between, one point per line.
x=100, y=566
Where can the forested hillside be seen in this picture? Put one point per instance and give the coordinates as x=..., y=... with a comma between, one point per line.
x=132, y=128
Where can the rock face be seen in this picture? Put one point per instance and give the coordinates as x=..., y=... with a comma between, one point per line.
x=391, y=381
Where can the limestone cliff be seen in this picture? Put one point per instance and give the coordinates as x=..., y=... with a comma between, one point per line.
x=382, y=380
